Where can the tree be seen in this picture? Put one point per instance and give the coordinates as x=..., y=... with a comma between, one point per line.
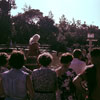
x=48, y=30
x=32, y=15
x=50, y=15
x=63, y=28
x=5, y=21
x=78, y=23
x=25, y=24
x=26, y=8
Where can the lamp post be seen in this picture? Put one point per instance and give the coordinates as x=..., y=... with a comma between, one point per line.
x=90, y=37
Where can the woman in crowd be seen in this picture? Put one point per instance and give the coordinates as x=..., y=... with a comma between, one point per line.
x=77, y=64
x=44, y=79
x=16, y=83
x=65, y=77
x=34, y=45
x=88, y=82
x=3, y=62
x=33, y=52
x=3, y=67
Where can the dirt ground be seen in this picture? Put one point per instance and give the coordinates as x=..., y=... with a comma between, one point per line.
x=55, y=63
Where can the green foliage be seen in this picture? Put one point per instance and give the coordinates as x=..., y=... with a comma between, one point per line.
x=47, y=30
x=65, y=34
x=5, y=21
x=25, y=25
x=21, y=27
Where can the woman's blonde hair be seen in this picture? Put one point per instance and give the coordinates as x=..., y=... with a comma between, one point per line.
x=34, y=39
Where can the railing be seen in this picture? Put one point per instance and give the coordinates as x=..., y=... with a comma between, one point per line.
x=6, y=48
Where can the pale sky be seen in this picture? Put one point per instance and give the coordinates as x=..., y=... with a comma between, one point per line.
x=84, y=10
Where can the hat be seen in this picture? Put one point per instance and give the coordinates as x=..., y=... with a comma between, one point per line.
x=34, y=39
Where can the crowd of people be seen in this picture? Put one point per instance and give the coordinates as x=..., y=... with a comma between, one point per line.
x=73, y=80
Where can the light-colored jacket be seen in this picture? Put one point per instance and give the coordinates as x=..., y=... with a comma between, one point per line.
x=78, y=66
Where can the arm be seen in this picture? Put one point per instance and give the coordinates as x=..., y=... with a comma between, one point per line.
x=77, y=82
x=80, y=82
x=29, y=87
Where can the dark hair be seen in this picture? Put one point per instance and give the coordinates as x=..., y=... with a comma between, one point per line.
x=77, y=53
x=3, y=58
x=95, y=52
x=66, y=58
x=45, y=59
x=17, y=59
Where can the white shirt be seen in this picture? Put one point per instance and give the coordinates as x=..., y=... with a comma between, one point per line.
x=78, y=66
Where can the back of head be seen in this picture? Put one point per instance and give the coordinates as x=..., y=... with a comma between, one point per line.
x=66, y=58
x=3, y=58
x=45, y=59
x=17, y=59
x=95, y=52
x=77, y=53
x=95, y=57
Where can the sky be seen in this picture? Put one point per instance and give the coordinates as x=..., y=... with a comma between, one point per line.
x=84, y=10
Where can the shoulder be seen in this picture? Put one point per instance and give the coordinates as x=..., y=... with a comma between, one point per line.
x=35, y=70
x=57, y=69
x=49, y=70
x=82, y=63
x=90, y=68
x=53, y=71
x=76, y=60
x=25, y=73
x=6, y=72
x=88, y=71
